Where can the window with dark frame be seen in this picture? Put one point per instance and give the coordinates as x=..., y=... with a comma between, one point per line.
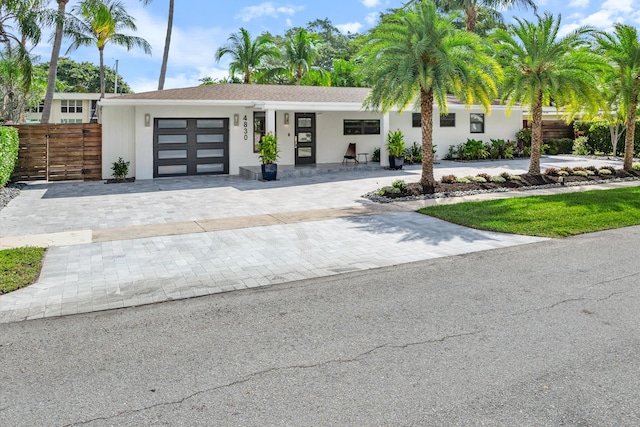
x=416, y=120
x=477, y=122
x=259, y=126
x=361, y=127
x=448, y=120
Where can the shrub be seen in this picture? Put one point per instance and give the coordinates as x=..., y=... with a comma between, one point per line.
x=524, y=136
x=120, y=169
x=478, y=179
x=551, y=172
x=498, y=179
x=413, y=154
x=567, y=169
x=580, y=146
x=590, y=173
x=453, y=153
x=8, y=153
x=604, y=171
x=591, y=168
x=563, y=173
x=486, y=176
x=505, y=175
x=376, y=155
x=463, y=180
x=636, y=166
x=474, y=149
x=501, y=149
x=515, y=178
x=448, y=179
x=400, y=185
x=560, y=146
x=388, y=190
x=581, y=173
x=611, y=168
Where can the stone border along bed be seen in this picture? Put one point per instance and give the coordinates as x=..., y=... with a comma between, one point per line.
x=382, y=199
x=8, y=193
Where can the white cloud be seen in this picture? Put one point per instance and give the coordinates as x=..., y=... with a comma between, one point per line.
x=579, y=3
x=371, y=18
x=266, y=9
x=623, y=6
x=349, y=27
x=289, y=22
x=566, y=29
x=370, y=3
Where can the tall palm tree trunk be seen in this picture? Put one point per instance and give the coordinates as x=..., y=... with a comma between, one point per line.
x=167, y=43
x=471, y=15
x=53, y=64
x=426, y=114
x=102, y=88
x=632, y=113
x=536, y=136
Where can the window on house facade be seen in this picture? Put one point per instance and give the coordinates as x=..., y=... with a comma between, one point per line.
x=448, y=120
x=362, y=127
x=38, y=109
x=71, y=106
x=416, y=120
x=477, y=122
x=71, y=121
x=259, y=128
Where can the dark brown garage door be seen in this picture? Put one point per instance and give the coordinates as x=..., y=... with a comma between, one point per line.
x=190, y=147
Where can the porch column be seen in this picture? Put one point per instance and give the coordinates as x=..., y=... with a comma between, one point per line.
x=384, y=130
x=270, y=125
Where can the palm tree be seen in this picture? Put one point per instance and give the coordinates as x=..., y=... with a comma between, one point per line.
x=53, y=64
x=167, y=43
x=471, y=8
x=247, y=54
x=540, y=66
x=416, y=56
x=300, y=50
x=100, y=22
x=622, y=50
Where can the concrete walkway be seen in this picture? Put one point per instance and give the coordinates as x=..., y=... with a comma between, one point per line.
x=113, y=246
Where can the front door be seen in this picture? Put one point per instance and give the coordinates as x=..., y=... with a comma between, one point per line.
x=305, y=138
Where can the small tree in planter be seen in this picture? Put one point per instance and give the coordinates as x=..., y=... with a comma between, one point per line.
x=395, y=147
x=268, y=153
x=120, y=170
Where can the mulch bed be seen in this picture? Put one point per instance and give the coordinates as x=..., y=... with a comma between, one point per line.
x=415, y=189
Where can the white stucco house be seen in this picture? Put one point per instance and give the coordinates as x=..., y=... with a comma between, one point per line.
x=214, y=129
x=69, y=107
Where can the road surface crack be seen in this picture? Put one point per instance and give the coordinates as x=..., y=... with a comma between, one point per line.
x=276, y=369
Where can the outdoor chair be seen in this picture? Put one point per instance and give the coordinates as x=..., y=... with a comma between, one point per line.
x=350, y=154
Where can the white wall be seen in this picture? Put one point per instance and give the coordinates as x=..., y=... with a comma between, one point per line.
x=497, y=125
x=118, y=139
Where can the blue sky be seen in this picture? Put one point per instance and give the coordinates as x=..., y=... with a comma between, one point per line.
x=201, y=26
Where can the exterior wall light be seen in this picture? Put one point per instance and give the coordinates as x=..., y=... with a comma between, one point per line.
x=147, y=120
x=236, y=119
x=286, y=118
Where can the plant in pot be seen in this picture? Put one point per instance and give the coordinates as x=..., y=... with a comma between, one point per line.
x=395, y=147
x=268, y=153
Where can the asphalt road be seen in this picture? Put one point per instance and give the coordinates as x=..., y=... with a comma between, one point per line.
x=542, y=334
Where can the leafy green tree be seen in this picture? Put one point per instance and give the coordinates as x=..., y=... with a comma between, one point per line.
x=299, y=53
x=346, y=74
x=247, y=54
x=333, y=44
x=541, y=67
x=416, y=56
x=100, y=22
x=84, y=77
x=622, y=50
x=13, y=98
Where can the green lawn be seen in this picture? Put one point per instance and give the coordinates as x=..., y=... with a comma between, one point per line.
x=558, y=215
x=19, y=267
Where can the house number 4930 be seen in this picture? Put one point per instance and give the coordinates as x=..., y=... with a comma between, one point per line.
x=245, y=127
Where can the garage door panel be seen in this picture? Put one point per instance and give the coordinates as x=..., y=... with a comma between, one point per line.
x=191, y=146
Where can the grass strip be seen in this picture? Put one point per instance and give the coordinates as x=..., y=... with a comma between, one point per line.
x=19, y=267
x=557, y=215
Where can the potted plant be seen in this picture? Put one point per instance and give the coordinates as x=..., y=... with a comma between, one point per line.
x=395, y=147
x=268, y=153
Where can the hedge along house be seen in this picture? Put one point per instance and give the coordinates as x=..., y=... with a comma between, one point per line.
x=215, y=129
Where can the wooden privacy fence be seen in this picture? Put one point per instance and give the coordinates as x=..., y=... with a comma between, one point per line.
x=59, y=152
x=554, y=129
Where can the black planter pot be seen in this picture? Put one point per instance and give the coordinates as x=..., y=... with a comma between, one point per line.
x=269, y=171
x=396, y=162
